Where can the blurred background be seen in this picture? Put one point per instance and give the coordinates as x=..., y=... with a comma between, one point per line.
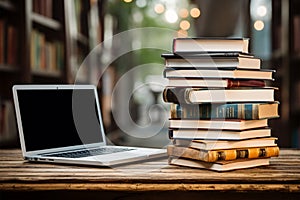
x=47, y=41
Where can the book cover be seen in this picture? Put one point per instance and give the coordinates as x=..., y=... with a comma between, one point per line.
x=216, y=144
x=214, y=61
x=245, y=111
x=220, y=166
x=210, y=44
x=222, y=155
x=211, y=82
x=262, y=74
x=230, y=124
x=218, y=134
x=217, y=95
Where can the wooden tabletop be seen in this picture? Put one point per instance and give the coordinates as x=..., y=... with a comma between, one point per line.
x=17, y=175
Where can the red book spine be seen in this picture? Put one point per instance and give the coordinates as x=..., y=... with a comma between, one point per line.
x=245, y=83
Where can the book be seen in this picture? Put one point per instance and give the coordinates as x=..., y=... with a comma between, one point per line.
x=225, y=111
x=217, y=95
x=222, y=155
x=12, y=46
x=2, y=41
x=225, y=144
x=195, y=45
x=212, y=134
x=224, y=83
x=296, y=34
x=214, y=61
x=44, y=7
x=220, y=165
x=230, y=124
x=220, y=73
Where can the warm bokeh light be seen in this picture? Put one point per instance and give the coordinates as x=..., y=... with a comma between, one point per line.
x=171, y=16
x=159, y=8
x=127, y=1
x=195, y=12
x=262, y=11
x=182, y=33
x=259, y=25
x=183, y=13
x=185, y=25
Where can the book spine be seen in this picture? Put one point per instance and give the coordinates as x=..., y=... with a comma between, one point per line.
x=222, y=155
x=209, y=111
x=245, y=83
x=174, y=95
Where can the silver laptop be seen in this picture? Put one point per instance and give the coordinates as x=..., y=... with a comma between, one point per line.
x=63, y=124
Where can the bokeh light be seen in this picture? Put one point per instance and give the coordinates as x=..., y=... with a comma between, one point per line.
x=195, y=12
x=259, y=25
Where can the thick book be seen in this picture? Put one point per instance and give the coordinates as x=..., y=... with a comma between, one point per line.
x=225, y=111
x=219, y=74
x=220, y=166
x=210, y=44
x=212, y=61
x=212, y=134
x=224, y=83
x=217, y=95
x=225, y=144
x=222, y=155
x=230, y=124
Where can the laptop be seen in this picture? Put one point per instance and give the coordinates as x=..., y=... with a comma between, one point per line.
x=63, y=124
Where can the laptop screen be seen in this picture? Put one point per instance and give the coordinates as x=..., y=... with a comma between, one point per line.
x=54, y=118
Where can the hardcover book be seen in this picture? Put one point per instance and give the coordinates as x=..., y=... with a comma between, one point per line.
x=221, y=73
x=220, y=165
x=222, y=155
x=217, y=95
x=225, y=111
x=223, y=83
x=225, y=144
x=194, y=45
x=212, y=61
x=229, y=124
x=211, y=134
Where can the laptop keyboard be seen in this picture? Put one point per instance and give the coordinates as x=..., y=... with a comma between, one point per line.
x=89, y=152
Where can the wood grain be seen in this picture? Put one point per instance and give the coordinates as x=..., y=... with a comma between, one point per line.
x=282, y=175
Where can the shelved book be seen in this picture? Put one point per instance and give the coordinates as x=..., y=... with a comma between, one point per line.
x=220, y=165
x=216, y=144
x=220, y=73
x=222, y=155
x=218, y=95
x=212, y=61
x=45, y=55
x=196, y=45
x=217, y=134
x=245, y=111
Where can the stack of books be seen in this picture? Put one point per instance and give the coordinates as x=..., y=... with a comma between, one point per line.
x=221, y=105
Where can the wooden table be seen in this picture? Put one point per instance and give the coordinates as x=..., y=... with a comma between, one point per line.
x=280, y=180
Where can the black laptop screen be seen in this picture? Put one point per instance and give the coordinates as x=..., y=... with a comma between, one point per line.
x=59, y=118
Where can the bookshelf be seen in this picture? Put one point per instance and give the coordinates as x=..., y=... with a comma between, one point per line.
x=286, y=57
x=39, y=44
x=46, y=47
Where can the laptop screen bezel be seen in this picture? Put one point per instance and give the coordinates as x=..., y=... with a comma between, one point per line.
x=26, y=153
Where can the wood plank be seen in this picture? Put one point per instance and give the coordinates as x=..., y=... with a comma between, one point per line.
x=151, y=187
x=16, y=174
